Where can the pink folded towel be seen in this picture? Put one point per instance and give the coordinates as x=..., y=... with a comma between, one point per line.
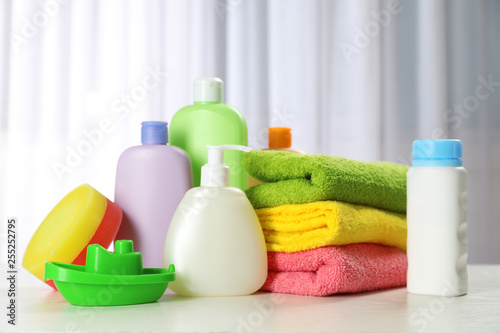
x=336, y=269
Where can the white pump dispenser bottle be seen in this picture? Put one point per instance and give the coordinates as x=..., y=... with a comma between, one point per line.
x=215, y=239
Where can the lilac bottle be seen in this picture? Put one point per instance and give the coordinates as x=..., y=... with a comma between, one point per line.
x=151, y=181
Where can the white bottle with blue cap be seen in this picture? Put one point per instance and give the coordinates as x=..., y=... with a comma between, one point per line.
x=437, y=219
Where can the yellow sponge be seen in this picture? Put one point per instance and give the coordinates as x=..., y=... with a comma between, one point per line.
x=82, y=217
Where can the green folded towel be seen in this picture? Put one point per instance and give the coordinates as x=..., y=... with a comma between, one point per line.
x=297, y=178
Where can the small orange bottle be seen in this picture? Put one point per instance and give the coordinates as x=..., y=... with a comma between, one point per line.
x=280, y=138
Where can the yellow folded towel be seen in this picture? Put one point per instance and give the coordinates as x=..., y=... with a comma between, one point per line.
x=293, y=228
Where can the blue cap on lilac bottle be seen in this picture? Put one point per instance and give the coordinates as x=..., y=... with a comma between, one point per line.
x=437, y=153
x=154, y=133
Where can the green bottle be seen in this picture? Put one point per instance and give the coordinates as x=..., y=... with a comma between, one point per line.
x=210, y=122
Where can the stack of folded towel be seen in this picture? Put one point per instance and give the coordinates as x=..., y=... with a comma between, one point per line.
x=332, y=225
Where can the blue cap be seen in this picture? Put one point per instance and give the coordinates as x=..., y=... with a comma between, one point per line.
x=437, y=153
x=154, y=133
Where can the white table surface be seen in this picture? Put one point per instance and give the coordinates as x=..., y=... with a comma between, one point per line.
x=42, y=310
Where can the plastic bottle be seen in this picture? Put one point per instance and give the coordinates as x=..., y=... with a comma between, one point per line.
x=210, y=122
x=437, y=219
x=280, y=138
x=215, y=239
x=150, y=182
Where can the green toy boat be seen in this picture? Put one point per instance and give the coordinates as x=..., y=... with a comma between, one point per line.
x=110, y=278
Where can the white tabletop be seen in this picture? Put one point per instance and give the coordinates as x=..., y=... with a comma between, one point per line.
x=42, y=310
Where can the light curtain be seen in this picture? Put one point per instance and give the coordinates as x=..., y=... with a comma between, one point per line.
x=359, y=79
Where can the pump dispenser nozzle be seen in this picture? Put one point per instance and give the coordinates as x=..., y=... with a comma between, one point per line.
x=215, y=173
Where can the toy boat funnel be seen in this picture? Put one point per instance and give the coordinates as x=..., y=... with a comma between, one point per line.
x=110, y=278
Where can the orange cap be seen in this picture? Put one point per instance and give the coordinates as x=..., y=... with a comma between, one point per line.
x=280, y=137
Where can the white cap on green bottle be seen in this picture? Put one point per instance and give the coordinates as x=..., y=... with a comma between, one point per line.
x=208, y=89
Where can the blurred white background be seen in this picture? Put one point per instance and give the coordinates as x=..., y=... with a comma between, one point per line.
x=359, y=79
